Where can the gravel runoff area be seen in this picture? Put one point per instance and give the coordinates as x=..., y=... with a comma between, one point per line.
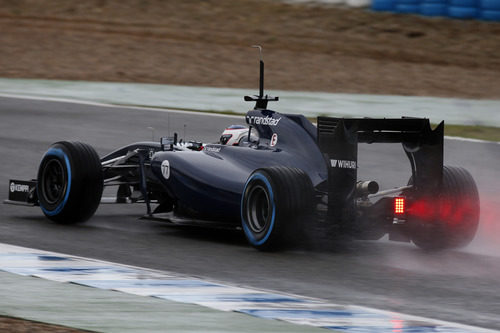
x=16, y=325
x=206, y=43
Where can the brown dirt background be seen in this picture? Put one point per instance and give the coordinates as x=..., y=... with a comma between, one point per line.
x=207, y=43
x=15, y=325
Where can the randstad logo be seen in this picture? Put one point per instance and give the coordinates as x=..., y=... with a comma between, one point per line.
x=256, y=120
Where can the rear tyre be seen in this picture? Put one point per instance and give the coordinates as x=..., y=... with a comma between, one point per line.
x=70, y=182
x=274, y=203
x=451, y=219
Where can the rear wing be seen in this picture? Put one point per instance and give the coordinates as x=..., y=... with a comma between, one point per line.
x=338, y=140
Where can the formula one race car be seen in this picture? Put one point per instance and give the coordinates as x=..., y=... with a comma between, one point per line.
x=286, y=175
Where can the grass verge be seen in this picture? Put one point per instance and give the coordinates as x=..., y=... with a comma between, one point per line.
x=473, y=132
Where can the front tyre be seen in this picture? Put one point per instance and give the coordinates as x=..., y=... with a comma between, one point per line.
x=69, y=182
x=274, y=202
x=451, y=219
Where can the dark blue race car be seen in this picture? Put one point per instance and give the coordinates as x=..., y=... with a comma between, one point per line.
x=285, y=177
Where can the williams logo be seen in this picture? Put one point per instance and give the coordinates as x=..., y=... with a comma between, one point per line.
x=19, y=188
x=269, y=121
x=343, y=164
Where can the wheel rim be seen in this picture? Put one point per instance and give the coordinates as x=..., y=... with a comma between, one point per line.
x=258, y=209
x=53, y=181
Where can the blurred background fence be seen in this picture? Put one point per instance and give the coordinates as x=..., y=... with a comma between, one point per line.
x=461, y=9
x=488, y=10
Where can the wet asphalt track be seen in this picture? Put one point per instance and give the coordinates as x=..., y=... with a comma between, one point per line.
x=458, y=286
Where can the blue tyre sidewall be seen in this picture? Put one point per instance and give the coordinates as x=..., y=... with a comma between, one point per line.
x=59, y=153
x=249, y=234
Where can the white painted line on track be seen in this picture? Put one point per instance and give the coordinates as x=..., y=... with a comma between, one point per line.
x=458, y=138
x=120, y=106
x=216, y=295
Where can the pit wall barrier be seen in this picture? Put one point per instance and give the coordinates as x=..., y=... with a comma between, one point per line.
x=488, y=10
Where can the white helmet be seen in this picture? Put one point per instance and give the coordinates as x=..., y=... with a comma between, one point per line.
x=233, y=135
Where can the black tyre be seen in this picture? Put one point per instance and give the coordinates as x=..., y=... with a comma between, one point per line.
x=70, y=182
x=451, y=219
x=274, y=203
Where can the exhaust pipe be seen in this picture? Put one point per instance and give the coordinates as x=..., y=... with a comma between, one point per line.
x=364, y=188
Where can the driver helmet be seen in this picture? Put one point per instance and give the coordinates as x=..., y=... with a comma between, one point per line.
x=233, y=135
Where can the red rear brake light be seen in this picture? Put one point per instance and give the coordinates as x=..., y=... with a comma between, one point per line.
x=399, y=206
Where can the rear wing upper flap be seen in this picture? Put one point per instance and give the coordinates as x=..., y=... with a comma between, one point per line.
x=381, y=130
